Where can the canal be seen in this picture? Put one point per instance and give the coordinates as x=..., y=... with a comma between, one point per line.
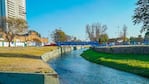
x=73, y=69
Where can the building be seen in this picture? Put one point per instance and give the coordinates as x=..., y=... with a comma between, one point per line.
x=31, y=39
x=12, y=8
x=17, y=9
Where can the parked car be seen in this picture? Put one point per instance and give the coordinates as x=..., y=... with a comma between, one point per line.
x=50, y=44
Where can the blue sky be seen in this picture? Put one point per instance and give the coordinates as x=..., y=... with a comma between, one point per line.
x=73, y=15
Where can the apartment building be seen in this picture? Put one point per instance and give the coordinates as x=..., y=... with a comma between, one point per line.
x=12, y=8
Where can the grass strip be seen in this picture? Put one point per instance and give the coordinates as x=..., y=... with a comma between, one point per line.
x=134, y=63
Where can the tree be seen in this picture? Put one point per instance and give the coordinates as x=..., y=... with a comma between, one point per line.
x=14, y=26
x=2, y=22
x=142, y=14
x=94, y=31
x=37, y=33
x=103, y=38
x=136, y=39
x=124, y=33
x=59, y=35
x=146, y=37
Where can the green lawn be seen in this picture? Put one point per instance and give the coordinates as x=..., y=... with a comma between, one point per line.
x=138, y=64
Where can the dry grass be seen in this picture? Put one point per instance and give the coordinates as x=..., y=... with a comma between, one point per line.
x=24, y=59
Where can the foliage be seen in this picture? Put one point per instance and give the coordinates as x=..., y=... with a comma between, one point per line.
x=142, y=14
x=138, y=64
x=38, y=34
x=103, y=38
x=15, y=26
x=136, y=39
x=2, y=22
x=94, y=31
x=146, y=37
x=59, y=35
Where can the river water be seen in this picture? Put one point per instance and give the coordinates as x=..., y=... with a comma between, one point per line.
x=73, y=69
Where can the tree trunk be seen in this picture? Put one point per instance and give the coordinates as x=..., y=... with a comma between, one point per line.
x=9, y=44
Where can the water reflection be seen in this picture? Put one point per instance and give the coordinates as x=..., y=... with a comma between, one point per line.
x=73, y=69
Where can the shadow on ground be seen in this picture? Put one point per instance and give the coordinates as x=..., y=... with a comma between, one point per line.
x=11, y=55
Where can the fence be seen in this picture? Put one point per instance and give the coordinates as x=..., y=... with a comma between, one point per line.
x=20, y=44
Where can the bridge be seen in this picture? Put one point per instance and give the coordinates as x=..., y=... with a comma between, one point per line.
x=91, y=43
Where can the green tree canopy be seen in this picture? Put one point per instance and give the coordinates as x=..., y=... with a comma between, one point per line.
x=103, y=38
x=38, y=34
x=136, y=39
x=59, y=35
x=141, y=14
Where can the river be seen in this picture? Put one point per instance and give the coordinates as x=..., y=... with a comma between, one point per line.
x=73, y=69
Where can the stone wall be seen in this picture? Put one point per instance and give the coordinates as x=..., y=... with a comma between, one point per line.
x=124, y=49
x=61, y=50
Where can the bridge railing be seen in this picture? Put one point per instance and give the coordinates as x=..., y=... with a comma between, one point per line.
x=77, y=43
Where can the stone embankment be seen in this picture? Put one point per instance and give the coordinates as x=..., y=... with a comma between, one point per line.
x=130, y=49
x=57, y=52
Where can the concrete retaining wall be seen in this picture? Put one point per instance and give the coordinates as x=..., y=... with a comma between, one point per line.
x=27, y=78
x=124, y=49
x=61, y=50
x=49, y=55
x=21, y=78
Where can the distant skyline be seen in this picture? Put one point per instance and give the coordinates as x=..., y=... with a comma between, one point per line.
x=73, y=15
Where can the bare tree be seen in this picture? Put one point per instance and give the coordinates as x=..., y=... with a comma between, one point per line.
x=94, y=31
x=14, y=26
x=89, y=32
x=124, y=33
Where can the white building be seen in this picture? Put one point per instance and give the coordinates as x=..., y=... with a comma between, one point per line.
x=12, y=8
